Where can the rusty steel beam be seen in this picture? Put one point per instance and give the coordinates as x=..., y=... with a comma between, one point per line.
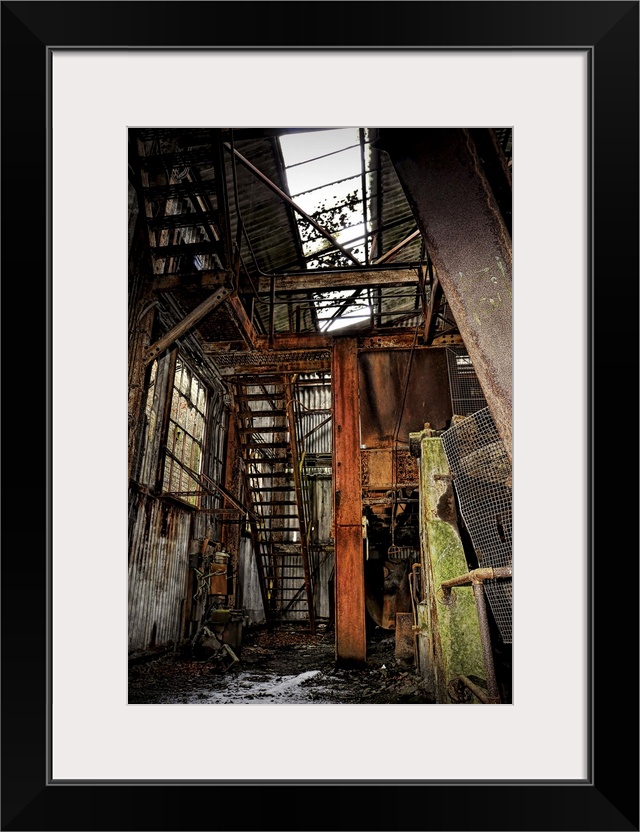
x=299, y=341
x=391, y=339
x=401, y=340
x=238, y=314
x=277, y=368
x=351, y=643
x=233, y=485
x=187, y=323
x=317, y=281
x=470, y=246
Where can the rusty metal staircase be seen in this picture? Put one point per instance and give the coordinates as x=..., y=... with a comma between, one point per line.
x=266, y=412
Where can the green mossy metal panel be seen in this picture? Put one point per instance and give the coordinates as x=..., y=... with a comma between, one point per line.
x=453, y=632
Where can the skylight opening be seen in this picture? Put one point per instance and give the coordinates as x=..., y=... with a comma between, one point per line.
x=324, y=172
x=324, y=176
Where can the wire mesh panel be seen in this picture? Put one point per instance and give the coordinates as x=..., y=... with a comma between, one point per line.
x=466, y=393
x=482, y=478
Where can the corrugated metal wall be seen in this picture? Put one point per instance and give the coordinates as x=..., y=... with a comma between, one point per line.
x=250, y=598
x=163, y=533
x=317, y=429
x=322, y=542
x=158, y=564
x=315, y=394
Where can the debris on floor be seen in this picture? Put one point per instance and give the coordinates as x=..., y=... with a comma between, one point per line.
x=287, y=666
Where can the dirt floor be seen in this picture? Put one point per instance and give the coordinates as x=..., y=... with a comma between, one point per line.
x=286, y=667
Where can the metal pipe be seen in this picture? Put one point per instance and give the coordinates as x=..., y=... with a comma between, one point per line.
x=486, y=573
x=476, y=578
x=476, y=691
x=485, y=636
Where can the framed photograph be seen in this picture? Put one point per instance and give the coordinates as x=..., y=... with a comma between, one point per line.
x=84, y=83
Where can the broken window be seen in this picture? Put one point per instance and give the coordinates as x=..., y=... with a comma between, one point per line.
x=185, y=435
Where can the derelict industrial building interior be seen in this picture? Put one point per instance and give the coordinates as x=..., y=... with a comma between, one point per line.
x=320, y=415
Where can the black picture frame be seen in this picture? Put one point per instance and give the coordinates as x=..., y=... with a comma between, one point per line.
x=608, y=799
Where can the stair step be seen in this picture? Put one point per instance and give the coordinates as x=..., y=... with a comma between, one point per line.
x=262, y=429
x=259, y=397
x=259, y=503
x=287, y=548
x=270, y=488
x=250, y=414
x=282, y=475
x=266, y=444
x=295, y=558
x=271, y=517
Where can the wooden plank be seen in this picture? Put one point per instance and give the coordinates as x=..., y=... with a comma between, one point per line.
x=351, y=644
x=319, y=281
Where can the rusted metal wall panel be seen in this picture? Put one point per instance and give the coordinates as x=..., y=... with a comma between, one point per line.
x=158, y=564
x=383, y=380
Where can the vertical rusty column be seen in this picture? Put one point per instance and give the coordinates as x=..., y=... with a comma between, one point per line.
x=469, y=243
x=232, y=483
x=351, y=642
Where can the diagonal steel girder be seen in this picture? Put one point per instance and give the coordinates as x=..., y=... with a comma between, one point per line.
x=465, y=233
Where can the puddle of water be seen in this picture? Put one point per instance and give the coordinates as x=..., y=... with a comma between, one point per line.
x=256, y=688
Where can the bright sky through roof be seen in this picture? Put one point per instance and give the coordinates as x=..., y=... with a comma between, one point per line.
x=322, y=168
